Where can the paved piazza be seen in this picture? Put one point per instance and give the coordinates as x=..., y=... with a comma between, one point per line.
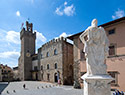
x=38, y=88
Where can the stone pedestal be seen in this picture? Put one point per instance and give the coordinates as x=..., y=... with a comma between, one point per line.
x=97, y=84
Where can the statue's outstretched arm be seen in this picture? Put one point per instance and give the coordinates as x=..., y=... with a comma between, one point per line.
x=82, y=37
x=85, y=33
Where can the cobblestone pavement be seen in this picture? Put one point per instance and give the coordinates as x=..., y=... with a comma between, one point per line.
x=39, y=88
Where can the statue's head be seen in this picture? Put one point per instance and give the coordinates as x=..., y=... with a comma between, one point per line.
x=94, y=22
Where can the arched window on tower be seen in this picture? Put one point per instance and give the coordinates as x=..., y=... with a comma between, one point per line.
x=47, y=66
x=47, y=54
x=55, y=51
x=55, y=65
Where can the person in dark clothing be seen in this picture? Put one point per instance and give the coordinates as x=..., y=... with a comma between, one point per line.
x=24, y=86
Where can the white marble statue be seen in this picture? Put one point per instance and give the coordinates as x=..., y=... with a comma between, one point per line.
x=95, y=48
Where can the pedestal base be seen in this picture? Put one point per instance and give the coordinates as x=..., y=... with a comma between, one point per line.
x=97, y=84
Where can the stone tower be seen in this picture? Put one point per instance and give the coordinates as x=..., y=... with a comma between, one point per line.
x=27, y=37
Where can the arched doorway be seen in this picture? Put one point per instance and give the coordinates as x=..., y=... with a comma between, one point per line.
x=55, y=77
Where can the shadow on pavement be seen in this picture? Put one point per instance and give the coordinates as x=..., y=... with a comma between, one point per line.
x=3, y=86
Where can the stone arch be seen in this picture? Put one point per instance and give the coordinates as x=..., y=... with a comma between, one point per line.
x=55, y=77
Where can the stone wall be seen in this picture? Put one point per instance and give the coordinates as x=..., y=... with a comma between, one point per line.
x=60, y=53
x=67, y=63
x=6, y=73
x=51, y=60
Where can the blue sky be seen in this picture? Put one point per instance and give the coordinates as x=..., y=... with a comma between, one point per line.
x=51, y=19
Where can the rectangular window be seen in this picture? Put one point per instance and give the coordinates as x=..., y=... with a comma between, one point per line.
x=112, y=31
x=35, y=68
x=55, y=52
x=114, y=74
x=86, y=38
x=47, y=54
x=55, y=65
x=41, y=67
x=48, y=76
x=47, y=66
x=111, y=50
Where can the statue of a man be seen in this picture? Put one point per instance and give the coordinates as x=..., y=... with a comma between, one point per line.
x=95, y=48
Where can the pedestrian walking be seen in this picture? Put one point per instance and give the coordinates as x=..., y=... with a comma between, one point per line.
x=59, y=81
x=24, y=86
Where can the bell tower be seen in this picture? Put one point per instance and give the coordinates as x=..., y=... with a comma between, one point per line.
x=27, y=37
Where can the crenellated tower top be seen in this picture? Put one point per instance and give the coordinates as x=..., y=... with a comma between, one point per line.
x=28, y=30
x=51, y=42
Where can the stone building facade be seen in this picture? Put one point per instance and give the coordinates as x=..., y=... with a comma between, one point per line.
x=27, y=37
x=115, y=62
x=54, y=60
x=6, y=73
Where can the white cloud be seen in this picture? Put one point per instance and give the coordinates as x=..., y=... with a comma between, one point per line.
x=64, y=35
x=2, y=30
x=118, y=14
x=18, y=13
x=2, y=35
x=13, y=37
x=10, y=63
x=58, y=12
x=65, y=3
x=40, y=37
x=67, y=10
x=10, y=54
x=9, y=46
